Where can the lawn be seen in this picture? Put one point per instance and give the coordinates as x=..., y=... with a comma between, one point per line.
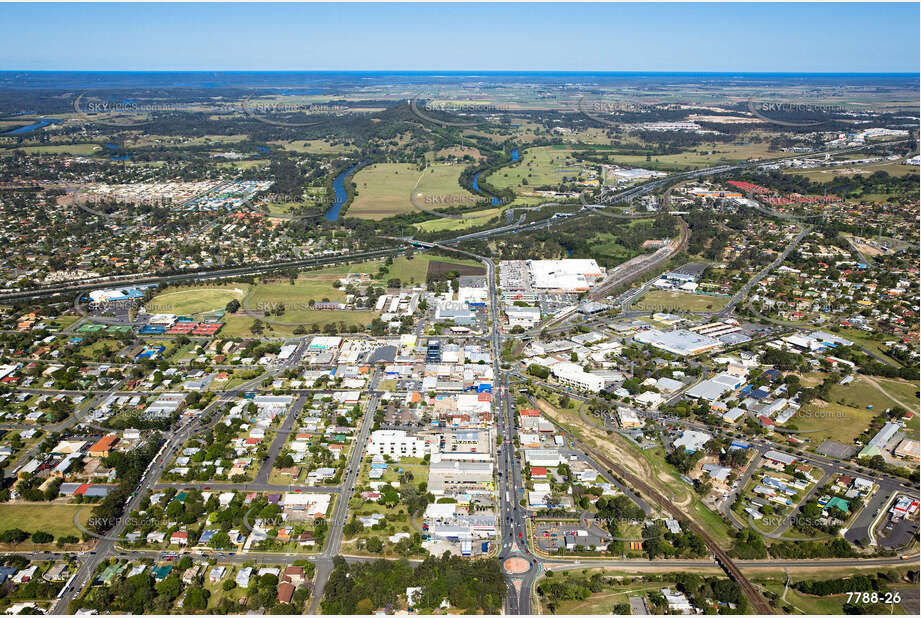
x=665, y=300
x=862, y=393
x=57, y=519
x=384, y=189
x=239, y=325
x=189, y=300
x=309, y=285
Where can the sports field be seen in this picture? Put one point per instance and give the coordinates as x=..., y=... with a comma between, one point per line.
x=666, y=300
x=384, y=189
x=189, y=300
x=56, y=519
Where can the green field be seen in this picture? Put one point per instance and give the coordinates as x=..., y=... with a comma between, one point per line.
x=473, y=219
x=56, y=519
x=74, y=149
x=315, y=146
x=190, y=300
x=539, y=166
x=703, y=156
x=829, y=174
x=608, y=245
x=415, y=270
x=384, y=189
x=665, y=300
x=831, y=421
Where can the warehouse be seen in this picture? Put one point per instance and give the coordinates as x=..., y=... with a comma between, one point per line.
x=715, y=387
x=681, y=342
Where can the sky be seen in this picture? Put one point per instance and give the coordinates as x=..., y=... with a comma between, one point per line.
x=720, y=37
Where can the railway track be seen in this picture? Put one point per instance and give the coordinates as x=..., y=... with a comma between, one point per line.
x=759, y=603
x=605, y=288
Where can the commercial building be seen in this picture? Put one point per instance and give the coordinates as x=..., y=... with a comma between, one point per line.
x=526, y=317
x=878, y=443
x=454, y=311
x=396, y=443
x=564, y=275
x=692, y=440
x=573, y=375
x=472, y=290
x=449, y=477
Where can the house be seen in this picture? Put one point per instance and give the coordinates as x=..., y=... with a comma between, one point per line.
x=538, y=472
x=285, y=592
x=294, y=574
x=103, y=447
x=216, y=574
x=179, y=538
x=677, y=602
x=243, y=575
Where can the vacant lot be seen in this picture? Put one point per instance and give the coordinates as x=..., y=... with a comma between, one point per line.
x=665, y=300
x=819, y=421
x=384, y=189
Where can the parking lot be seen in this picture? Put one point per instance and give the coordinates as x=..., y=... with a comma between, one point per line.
x=566, y=535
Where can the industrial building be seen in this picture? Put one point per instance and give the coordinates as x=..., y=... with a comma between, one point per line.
x=680, y=342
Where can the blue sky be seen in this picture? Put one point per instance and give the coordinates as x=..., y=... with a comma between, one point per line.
x=820, y=37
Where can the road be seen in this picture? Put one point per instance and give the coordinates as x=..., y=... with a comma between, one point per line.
x=742, y=293
x=340, y=510
x=513, y=518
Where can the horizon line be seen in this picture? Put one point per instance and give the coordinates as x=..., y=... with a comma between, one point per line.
x=464, y=71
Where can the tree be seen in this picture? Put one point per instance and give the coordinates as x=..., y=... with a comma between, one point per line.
x=374, y=545
x=196, y=598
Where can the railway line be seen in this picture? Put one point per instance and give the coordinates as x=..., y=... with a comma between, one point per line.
x=754, y=596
